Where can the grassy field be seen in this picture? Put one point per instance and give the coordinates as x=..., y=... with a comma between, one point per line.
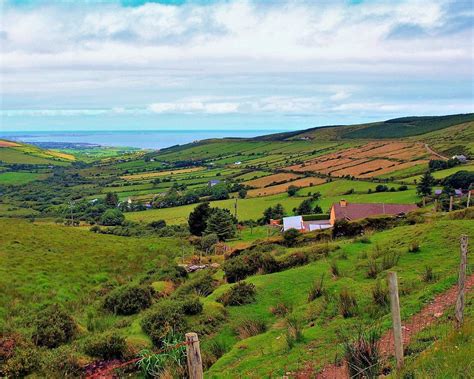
x=18, y=178
x=43, y=263
x=441, y=174
x=268, y=355
x=247, y=209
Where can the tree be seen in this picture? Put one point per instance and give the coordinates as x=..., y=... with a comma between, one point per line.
x=317, y=209
x=197, y=220
x=460, y=180
x=112, y=217
x=208, y=242
x=425, y=186
x=111, y=199
x=305, y=207
x=316, y=195
x=221, y=223
x=242, y=193
x=292, y=190
x=273, y=213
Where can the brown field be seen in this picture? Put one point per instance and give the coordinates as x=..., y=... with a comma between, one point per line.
x=400, y=166
x=8, y=144
x=267, y=180
x=151, y=175
x=58, y=154
x=280, y=188
x=374, y=158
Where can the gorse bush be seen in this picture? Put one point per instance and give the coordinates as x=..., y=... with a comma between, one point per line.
x=106, y=346
x=317, y=289
x=239, y=294
x=347, y=303
x=192, y=306
x=202, y=285
x=290, y=237
x=167, y=317
x=249, y=263
x=128, y=300
x=53, y=327
x=363, y=355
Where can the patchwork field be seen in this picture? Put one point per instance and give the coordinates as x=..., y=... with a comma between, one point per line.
x=152, y=175
x=18, y=178
x=367, y=161
x=279, y=188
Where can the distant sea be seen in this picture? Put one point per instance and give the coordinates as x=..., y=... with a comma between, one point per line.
x=145, y=139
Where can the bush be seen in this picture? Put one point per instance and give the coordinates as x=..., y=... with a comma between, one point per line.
x=429, y=275
x=414, y=247
x=249, y=328
x=128, y=300
x=362, y=356
x=249, y=263
x=24, y=361
x=201, y=285
x=192, y=306
x=334, y=269
x=380, y=294
x=290, y=237
x=106, y=346
x=53, y=327
x=372, y=269
x=347, y=303
x=294, y=331
x=167, y=318
x=294, y=260
x=112, y=217
x=239, y=294
x=317, y=289
x=343, y=228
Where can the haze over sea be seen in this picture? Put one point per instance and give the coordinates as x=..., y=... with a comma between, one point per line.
x=145, y=139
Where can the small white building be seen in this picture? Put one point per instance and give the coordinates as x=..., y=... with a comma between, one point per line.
x=293, y=222
x=461, y=158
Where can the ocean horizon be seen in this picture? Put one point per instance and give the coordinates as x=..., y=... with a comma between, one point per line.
x=144, y=139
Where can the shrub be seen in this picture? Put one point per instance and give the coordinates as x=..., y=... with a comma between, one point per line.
x=290, y=237
x=343, y=228
x=202, y=285
x=53, y=327
x=317, y=289
x=112, y=217
x=62, y=362
x=429, y=275
x=334, y=269
x=372, y=269
x=192, y=306
x=249, y=328
x=249, y=263
x=294, y=331
x=414, y=247
x=294, y=259
x=24, y=361
x=347, y=303
x=106, y=346
x=128, y=300
x=403, y=188
x=380, y=294
x=167, y=318
x=362, y=355
x=280, y=309
x=239, y=294
x=389, y=260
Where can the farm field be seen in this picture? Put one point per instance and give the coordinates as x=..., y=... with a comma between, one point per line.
x=371, y=160
x=280, y=188
x=17, y=178
x=441, y=174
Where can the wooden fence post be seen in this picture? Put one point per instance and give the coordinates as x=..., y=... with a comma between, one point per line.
x=461, y=282
x=396, y=319
x=468, y=199
x=193, y=353
x=451, y=203
x=424, y=201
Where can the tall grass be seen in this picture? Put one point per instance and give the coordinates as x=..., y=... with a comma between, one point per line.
x=363, y=355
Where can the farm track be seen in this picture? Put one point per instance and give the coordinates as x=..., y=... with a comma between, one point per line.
x=416, y=323
x=431, y=151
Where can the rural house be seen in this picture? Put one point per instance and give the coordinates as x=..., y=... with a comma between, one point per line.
x=298, y=223
x=354, y=211
x=213, y=182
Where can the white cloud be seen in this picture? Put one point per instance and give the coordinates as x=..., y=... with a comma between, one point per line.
x=194, y=107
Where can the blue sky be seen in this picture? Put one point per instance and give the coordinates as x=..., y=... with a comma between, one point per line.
x=209, y=64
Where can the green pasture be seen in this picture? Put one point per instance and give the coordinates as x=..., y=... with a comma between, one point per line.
x=18, y=178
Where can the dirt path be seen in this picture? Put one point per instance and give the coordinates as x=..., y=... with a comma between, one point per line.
x=426, y=317
x=431, y=151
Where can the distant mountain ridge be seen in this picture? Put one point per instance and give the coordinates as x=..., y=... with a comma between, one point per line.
x=394, y=128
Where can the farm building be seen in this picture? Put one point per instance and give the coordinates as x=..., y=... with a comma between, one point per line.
x=213, y=182
x=354, y=211
x=298, y=223
x=461, y=158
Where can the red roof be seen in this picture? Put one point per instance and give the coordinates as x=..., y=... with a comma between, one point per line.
x=354, y=211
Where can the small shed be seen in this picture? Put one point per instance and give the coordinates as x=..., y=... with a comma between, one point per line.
x=293, y=222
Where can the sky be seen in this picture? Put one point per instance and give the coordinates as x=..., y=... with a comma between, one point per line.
x=231, y=64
